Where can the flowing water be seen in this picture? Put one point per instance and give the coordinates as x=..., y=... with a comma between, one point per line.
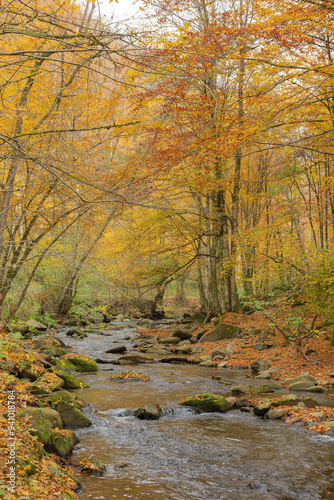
x=189, y=456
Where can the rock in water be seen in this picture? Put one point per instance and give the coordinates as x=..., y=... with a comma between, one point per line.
x=148, y=412
x=117, y=349
x=207, y=402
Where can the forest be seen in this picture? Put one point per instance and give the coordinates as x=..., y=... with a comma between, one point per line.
x=160, y=168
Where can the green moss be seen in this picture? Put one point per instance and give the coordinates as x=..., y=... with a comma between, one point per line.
x=71, y=382
x=58, y=396
x=207, y=402
x=62, y=442
x=81, y=362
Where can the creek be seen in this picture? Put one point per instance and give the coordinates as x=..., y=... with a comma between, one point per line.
x=188, y=456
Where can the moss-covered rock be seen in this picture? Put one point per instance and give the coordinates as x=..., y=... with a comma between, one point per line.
x=46, y=384
x=148, y=412
x=31, y=372
x=64, y=364
x=293, y=400
x=49, y=413
x=92, y=465
x=62, y=395
x=41, y=426
x=207, y=402
x=49, y=345
x=262, y=408
x=76, y=332
x=71, y=382
x=81, y=362
x=71, y=416
x=62, y=442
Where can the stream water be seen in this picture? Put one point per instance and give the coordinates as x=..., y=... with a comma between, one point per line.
x=187, y=456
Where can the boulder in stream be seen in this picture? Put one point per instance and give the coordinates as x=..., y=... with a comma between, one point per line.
x=146, y=323
x=92, y=465
x=49, y=345
x=262, y=408
x=133, y=359
x=62, y=442
x=175, y=359
x=172, y=340
x=118, y=349
x=71, y=382
x=81, y=362
x=182, y=333
x=71, y=416
x=260, y=365
x=72, y=332
x=148, y=412
x=207, y=402
x=69, y=397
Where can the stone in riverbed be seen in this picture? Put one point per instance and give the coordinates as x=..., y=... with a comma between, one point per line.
x=81, y=362
x=264, y=375
x=148, y=412
x=218, y=352
x=293, y=400
x=198, y=348
x=262, y=409
x=146, y=323
x=92, y=465
x=62, y=395
x=117, y=349
x=316, y=388
x=49, y=345
x=62, y=442
x=71, y=382
x=276, y=414
x=71, y=417
x=207, y=402
x=76, y=331
x=182, y=333
x=41, y=425
x=133, y=359
x=184, y=349
x=260, y=365
x=305, y=377
x=301, y=386
x=175, y=359
x=172, y=340
x=207, y=363
x=222, y=365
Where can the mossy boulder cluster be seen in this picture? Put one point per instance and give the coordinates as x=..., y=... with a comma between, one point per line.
x=47, y=423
